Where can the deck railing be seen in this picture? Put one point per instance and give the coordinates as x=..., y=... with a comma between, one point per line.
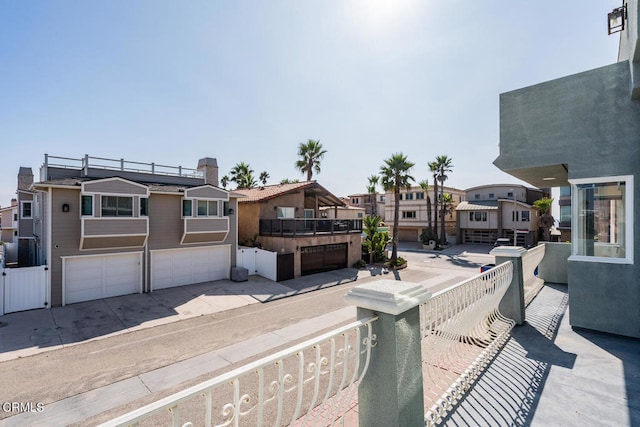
x=532, y=283
x=121, y=165
x=462, y=330
x=313, y=383
x=292, y=227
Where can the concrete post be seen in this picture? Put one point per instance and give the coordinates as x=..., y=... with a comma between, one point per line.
x=512, y=304
x=391, y=393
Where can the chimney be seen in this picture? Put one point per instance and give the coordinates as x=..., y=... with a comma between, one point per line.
x=25, y=178
x=14, y=202
x=210, y=168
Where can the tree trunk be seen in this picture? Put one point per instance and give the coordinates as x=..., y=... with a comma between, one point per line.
x=396, y=212
x=429, y=216
x=435, y=206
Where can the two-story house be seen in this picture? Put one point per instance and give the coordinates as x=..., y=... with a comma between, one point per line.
x=9, y=233
x=500, y=210
x=371, y=203
x=113, y=227
x=414, y=216
x=288, y=219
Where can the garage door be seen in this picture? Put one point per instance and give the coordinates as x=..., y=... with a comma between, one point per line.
x=101, y=276
x=178, y=267
x=314, y=259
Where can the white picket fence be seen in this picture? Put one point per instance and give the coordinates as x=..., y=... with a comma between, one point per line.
x=258, y=261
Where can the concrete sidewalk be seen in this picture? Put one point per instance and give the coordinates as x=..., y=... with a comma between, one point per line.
x=35, y=331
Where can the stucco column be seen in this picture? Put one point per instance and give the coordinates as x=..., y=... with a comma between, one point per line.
x=512, y=304
x=391, y=393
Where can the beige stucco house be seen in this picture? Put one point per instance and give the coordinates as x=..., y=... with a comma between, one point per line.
x=287, y=219
x=414, y=215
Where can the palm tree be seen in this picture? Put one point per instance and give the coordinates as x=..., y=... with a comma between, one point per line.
x=264, y=176
x=433, y=168
x=224, y=181
x=371, y=189
x=395, y=175
x=424, y=184
x=447, y=207
x=310, y=153
x=289, y=181
x=242, y=175
x=443, y=165
x=545, y=220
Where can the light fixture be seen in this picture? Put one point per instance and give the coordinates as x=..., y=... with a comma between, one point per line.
x=616, y=19
x=549, y=178
x=65, y=207
x=230, y=211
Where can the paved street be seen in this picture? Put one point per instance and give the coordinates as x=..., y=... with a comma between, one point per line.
x=75, y=370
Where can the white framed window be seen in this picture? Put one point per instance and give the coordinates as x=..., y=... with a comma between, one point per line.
x=86, y=205
x=420, y=196
x=208, y=208
x=187, y=208
x=525, y=215
x=602, y=219
x=26, y=210
x=409, y=215
x=117, y=206
x=286, y=212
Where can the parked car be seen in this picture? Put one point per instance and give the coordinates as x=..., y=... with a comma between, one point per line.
x=502, y=241
x=486, y=267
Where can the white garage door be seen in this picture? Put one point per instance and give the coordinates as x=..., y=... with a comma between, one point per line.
x=102, y=276
x=177, y=267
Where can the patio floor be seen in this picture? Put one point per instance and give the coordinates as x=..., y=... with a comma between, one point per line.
x=550, y=374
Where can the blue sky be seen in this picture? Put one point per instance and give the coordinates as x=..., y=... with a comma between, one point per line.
x=246, y=81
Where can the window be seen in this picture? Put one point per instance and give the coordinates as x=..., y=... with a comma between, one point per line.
x=187, y=208
x=419, y=196
x=492, y=196
x=602, y=226
x=476, y=196
x=360, y=215
x=525, y=216
x=144, y=206
x=565, y=214
x=515, y=216
x=207, y=208
x=86, y=205
x=565, y=191
x=25, y=210
x=382, y=198
x=117, y=206
x=510, y=195
x=477, y=216
x=286, y=212
x=409, y=196
x=409, y=214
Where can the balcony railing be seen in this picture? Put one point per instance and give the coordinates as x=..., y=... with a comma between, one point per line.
x=293, y=227
x=313, y=383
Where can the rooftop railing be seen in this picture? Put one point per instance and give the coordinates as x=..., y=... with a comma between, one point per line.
x=292, y=227
x=89, y=162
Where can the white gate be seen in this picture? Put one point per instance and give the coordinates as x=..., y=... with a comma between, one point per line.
x=25, y=288
x=258, y=261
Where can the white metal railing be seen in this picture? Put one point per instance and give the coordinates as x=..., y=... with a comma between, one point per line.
x=120, y=165
x=532, y=283
x=313, y=383
x=462, y=330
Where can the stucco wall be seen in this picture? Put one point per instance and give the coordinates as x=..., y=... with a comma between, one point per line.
x=589, y=122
